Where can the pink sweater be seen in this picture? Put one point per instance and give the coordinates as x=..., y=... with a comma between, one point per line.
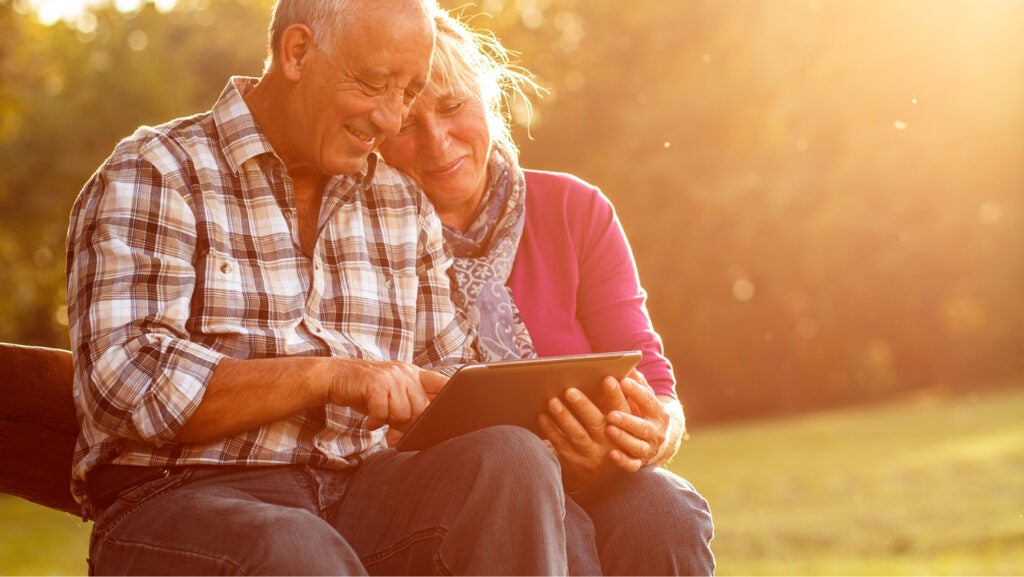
x=575, y=281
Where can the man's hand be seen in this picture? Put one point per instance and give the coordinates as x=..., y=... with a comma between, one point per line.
x=250, y=393
x=387, y=392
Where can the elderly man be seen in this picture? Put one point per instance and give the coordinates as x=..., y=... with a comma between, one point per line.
x=251, y=297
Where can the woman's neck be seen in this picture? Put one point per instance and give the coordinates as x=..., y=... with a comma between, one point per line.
x=459, y=214
x=458, y=217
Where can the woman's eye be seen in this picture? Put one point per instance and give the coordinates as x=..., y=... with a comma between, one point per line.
x=451, y=107
x=408, y=126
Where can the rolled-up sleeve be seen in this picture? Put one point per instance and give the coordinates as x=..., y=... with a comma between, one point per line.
x=131, y=275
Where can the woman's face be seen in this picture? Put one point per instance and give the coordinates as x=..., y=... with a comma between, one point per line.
x=444, y=144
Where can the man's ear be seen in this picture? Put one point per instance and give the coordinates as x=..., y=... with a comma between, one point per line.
x=296, y=50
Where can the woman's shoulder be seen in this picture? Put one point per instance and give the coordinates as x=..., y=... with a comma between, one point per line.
x=556, y=180
x=561, y=188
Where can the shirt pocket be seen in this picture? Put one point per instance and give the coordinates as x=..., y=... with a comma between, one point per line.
x=259, y=294
x=233, y=297
x=373, y=303
x=219, y=304
x=220, y=287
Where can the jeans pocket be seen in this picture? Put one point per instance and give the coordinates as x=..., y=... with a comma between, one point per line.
x=131, y=499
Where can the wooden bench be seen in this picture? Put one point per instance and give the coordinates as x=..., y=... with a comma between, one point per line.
x=38, y=428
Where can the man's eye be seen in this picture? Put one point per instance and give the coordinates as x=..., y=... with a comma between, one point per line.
x=373, y=89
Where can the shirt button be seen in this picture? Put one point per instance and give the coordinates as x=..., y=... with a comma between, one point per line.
x=389, y=283
x=225, y=268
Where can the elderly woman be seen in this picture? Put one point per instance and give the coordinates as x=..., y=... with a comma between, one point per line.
x=543, y=268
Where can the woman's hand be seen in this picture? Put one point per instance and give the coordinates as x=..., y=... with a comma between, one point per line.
x=633, y=428
x=639, y=434
x=577, y=430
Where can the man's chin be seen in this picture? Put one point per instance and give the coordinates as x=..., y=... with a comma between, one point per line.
x=349, y=165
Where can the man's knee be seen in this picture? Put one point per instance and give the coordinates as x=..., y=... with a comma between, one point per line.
x=508, y=452
x=297, y=542
x=505, y=470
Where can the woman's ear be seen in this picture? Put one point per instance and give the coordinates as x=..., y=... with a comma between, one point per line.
x=296, y=50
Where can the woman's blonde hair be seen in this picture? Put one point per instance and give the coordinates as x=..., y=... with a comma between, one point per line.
x=470, y=61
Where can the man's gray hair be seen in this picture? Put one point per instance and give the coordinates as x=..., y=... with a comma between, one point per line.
x=326, y=18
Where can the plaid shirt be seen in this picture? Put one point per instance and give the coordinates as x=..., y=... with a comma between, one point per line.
x=184, y=248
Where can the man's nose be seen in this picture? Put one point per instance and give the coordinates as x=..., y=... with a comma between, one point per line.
x=389, y=112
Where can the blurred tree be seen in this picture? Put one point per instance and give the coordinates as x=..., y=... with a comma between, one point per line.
x=825, y=198
x=70, y=92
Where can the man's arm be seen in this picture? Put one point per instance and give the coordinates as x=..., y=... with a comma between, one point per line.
x=246, y=394
x=134, y=259
x=131, y=277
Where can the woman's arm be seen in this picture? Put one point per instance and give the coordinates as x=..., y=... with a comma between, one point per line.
x=575, y=249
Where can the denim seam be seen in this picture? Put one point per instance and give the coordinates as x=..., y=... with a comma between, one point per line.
x=183, y=552
x=174, y=483
x=405, y=543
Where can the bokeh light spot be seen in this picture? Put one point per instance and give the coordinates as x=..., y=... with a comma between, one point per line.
x=743, y=290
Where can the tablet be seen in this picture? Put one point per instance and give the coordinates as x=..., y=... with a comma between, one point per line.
x=510, y=393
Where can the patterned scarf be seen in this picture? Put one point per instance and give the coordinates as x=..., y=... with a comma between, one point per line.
x=483, y=262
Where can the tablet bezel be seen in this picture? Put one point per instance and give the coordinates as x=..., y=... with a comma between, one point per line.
x=511, y=393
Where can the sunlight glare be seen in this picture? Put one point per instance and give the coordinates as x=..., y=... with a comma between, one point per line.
x=52, y=11
x=127, y=5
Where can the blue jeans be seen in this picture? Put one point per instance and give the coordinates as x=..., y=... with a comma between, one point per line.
x=485, y=503
x=651, y=522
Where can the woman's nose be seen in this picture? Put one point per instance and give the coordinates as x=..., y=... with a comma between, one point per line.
x=437, y=137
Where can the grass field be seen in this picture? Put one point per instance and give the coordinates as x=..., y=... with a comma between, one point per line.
x=922, y=487
x=930, y=486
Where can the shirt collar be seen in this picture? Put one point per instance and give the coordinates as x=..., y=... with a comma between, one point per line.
x=241, y=138
x=371, y=168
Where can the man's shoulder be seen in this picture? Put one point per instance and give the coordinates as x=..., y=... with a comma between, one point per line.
x=386, y=175
x=392, y=185
x=170, y=142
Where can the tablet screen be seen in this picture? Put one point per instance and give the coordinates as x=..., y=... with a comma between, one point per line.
x=511, y=393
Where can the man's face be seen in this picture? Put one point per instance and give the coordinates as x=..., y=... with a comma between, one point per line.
x=354, y=98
